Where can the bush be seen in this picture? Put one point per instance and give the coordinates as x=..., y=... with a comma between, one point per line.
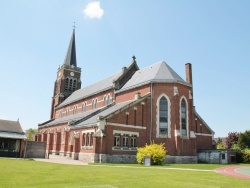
x=246, y=155
x=157, y=152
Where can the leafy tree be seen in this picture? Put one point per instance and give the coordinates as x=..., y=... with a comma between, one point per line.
x=246, y=155
x=30, y=133
x=244, y=140
x=220, y=144
x=157, y=152
x=231, y=139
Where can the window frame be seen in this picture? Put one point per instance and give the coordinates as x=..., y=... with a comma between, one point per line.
x=133, y=141
x=117, y=141
x=168, y=134
x=125, y=140
x=186, y=134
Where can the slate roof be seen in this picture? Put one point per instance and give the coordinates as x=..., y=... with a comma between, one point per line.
x=10, y=126
x=70, y=118
x=11, y=129
x=92, y=89
x=203, y=122
x=70, y=58
x=88, y=117
x=158, y=72
x=12, y=135
x=93, y=120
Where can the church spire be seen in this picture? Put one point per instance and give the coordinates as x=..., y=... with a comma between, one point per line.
x=70, y=58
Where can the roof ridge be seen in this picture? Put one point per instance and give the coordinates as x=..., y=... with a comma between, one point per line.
x=100, y=80
x=152, y=65
x=161, y=62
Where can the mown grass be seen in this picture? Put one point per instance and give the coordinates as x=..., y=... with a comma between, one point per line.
x=28, y=173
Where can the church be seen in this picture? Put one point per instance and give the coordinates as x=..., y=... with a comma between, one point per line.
x=107, y=120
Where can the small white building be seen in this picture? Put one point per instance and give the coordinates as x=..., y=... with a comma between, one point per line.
x=219, y=156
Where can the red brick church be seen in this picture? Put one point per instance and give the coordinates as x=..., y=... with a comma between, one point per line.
x=107, y=120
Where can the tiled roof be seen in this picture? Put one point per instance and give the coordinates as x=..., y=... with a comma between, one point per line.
x=10, y=126
x=92, y=89
x=158, y=72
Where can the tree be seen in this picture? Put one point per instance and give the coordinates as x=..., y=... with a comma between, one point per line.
x=244, y=140
x=220, y=144
x=30, y=133
x=231, y=139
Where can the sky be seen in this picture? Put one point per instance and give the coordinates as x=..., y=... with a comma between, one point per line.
x=212, y=35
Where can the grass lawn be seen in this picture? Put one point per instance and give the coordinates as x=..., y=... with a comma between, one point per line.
x=29, y=173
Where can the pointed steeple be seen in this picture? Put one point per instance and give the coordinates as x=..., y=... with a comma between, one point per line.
x=70, y=58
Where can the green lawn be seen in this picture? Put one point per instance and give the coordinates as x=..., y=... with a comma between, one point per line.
x=28, y=173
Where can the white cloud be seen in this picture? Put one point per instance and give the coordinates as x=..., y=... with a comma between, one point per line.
x=93, y=10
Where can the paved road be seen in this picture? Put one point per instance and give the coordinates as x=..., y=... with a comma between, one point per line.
x=61, y=160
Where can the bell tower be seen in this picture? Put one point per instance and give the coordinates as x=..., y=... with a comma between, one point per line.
x=68, y=77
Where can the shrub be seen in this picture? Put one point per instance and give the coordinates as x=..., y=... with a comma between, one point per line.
x=157, y=152
x=246, y=155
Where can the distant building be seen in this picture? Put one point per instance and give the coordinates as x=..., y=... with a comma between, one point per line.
x=219, y=156
x=106, y=121
x=223, y=139
x=11, y=139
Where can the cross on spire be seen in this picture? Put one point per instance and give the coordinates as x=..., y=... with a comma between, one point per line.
x=74, y=26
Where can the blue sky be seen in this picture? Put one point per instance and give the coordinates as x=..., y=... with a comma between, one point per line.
x=212, y=35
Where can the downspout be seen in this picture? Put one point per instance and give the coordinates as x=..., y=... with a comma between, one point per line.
x=151, y=112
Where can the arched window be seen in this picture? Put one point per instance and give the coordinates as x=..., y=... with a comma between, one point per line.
x=91, y=139
x=84, y=107
x=66, y=84
x=108, y=100
x=75, y=110
x=60, y=113
x=74, y=85
x=83, y=139
x=67, y=111
x=104, y=101
x=96, y=103
x=183, y=117
x=87, y=139
x=70, y=85
x=163, y=116
x=93, y=104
